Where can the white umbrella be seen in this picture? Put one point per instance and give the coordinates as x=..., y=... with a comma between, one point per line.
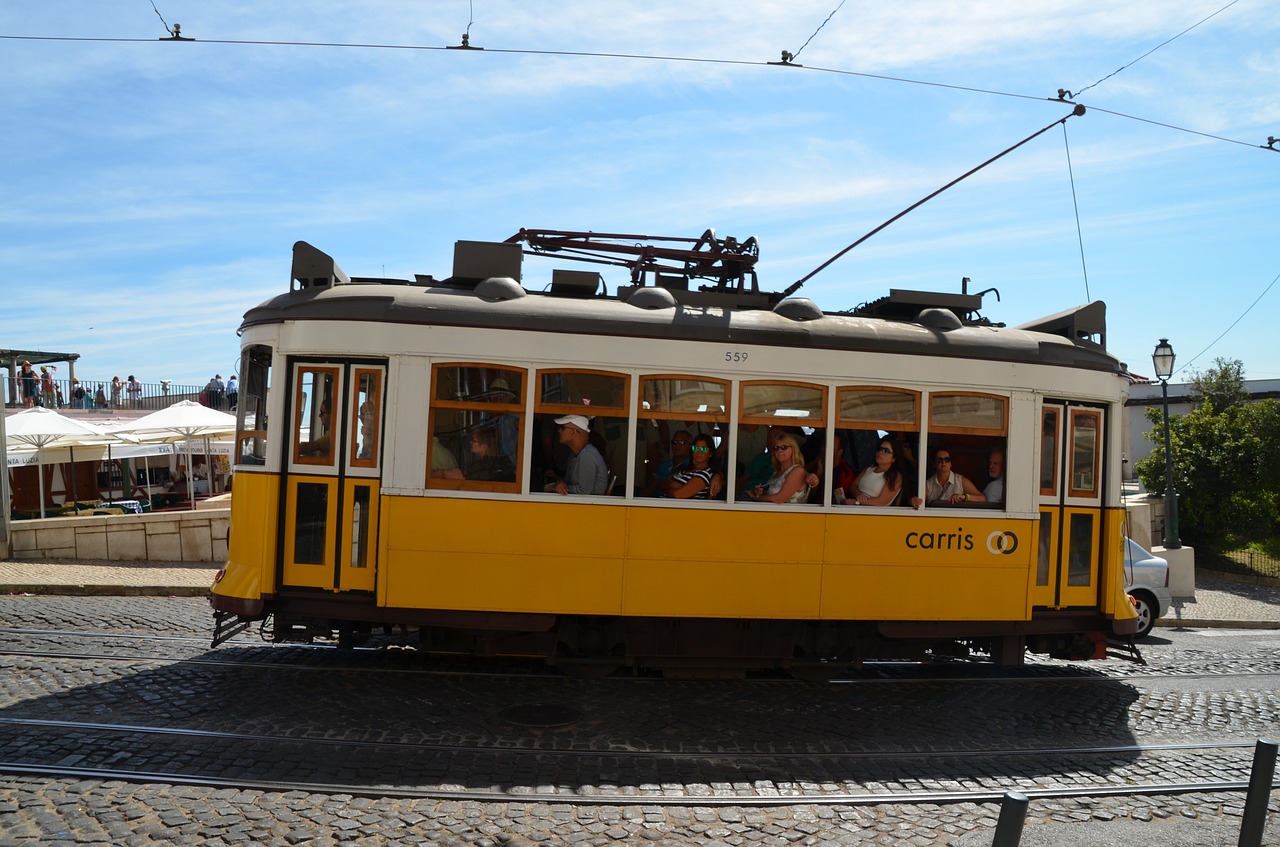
x=40, y=427
x=182, y=421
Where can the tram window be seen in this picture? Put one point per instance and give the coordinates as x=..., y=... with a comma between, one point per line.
x=674, y=410
x=316, y=390
x=1084, y=453
x=1049, y=452
x=366, y=417
x=868, y=414
x=768, y=410
x=251, y=406
x=476, y=426
x=599, y=396
x=971, y=427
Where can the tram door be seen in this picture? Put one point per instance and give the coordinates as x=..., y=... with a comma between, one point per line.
x=1070, y=505
x=330, y=519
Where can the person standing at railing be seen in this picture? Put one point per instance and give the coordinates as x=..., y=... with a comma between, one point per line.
x=116, y=385
x=214, y=391
x=134, y=389
x=30, y=385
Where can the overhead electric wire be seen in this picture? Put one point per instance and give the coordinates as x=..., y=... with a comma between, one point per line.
x=611, y=55
x=819, y=29
x=1270, y=285
x=1076, y=205
x=1157, y=47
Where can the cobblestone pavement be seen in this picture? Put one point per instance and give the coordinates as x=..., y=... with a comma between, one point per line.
x=96, y=812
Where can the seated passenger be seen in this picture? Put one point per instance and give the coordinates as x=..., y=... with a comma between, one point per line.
x=586, y=472
x=695, y=481
x=444, y=465
x=994, y=492
x=787, y=484
x=841, y=472
x=760, y=468
x=879, y=483
x=679, y=461
x=487, y=461
x=945, y=486
x=322, y=444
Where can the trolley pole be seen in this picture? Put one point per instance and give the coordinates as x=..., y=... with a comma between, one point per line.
x=1255, y=804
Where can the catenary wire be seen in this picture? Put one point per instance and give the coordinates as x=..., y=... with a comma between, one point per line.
x=1270, y=285
x=1157, y=47
x=818, y=30
x=632, y=56
x=1075, y=204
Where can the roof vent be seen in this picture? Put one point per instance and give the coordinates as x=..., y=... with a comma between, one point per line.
x=943, y=319
x=652, y=298
x=798, y=309
x=497, y=288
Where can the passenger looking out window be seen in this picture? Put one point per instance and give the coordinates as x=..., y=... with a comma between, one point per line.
x=487, y=460
x=694, y=480
x=947, y=486
x=586, y=472
x=679, y=460
x=880, y=483
x=994, y=492
x=787, y=482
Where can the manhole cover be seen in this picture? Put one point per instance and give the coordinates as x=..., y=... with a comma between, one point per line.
x=539, y=714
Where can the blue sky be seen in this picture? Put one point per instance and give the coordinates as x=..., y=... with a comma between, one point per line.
x=153, y=190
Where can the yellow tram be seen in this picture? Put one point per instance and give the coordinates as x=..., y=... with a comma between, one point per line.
x=397, y=438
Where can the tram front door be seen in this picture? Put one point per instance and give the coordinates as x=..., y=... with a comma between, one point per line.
x=1070, y=505
x=330, y=519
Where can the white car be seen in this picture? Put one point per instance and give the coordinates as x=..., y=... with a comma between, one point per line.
x=1146, y=580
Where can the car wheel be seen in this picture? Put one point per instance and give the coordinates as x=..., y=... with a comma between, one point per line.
x=1144, y=604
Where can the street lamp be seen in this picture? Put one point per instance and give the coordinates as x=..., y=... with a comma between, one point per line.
x=1162, y=359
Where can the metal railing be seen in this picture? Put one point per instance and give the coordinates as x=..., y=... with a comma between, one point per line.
x=150, y=396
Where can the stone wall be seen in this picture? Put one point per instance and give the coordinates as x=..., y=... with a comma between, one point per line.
x=193, y=536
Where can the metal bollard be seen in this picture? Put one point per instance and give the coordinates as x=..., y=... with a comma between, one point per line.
x=1255, y=804
x=1013, y=814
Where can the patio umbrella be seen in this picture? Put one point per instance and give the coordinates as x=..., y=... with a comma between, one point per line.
x=40, y=427
x=182, y=421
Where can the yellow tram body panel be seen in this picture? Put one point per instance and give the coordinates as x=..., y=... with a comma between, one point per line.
x=251, y=547
x=580, y=558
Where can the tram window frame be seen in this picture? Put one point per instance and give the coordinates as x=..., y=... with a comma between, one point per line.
x=312, y=404
x=817, y=422
x=251, y=444
x=483, y=404
x=969, y=444
x=1088, y=490
x=659, y=421
x=1050, y=432
x=366, y=417
x=874, y=429
x=605, y=411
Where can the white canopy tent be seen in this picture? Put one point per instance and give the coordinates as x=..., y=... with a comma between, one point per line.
x=183, y=421
x=39, y=427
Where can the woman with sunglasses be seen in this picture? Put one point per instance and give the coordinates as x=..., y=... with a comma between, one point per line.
x=947, y=486
x=787, y=484
x=693, y=481
x=879, y=483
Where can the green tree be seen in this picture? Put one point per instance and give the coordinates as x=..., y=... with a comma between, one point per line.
x=1222, y=385
x=1224, y=465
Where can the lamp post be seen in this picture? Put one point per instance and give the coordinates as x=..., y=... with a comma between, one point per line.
x=1162, y=359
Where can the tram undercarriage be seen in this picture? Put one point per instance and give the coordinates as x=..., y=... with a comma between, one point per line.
x=582, y=645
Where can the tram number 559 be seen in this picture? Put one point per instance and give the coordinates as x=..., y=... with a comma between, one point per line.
x=735, y=357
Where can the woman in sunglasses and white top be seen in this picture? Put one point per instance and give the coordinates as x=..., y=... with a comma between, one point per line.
x=946, y=486
x=879, y=483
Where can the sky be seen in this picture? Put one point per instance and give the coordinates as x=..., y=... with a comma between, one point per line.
x=153, y=189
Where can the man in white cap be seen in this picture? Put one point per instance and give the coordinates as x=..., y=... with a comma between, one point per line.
x=587, y=472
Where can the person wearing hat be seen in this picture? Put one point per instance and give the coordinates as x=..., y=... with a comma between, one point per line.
x=507, y=424
x=587, y=472
x=30, y=385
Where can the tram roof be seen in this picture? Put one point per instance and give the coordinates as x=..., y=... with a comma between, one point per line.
x=648, y=312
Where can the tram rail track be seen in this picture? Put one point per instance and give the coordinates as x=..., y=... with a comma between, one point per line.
x=1225, y=768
